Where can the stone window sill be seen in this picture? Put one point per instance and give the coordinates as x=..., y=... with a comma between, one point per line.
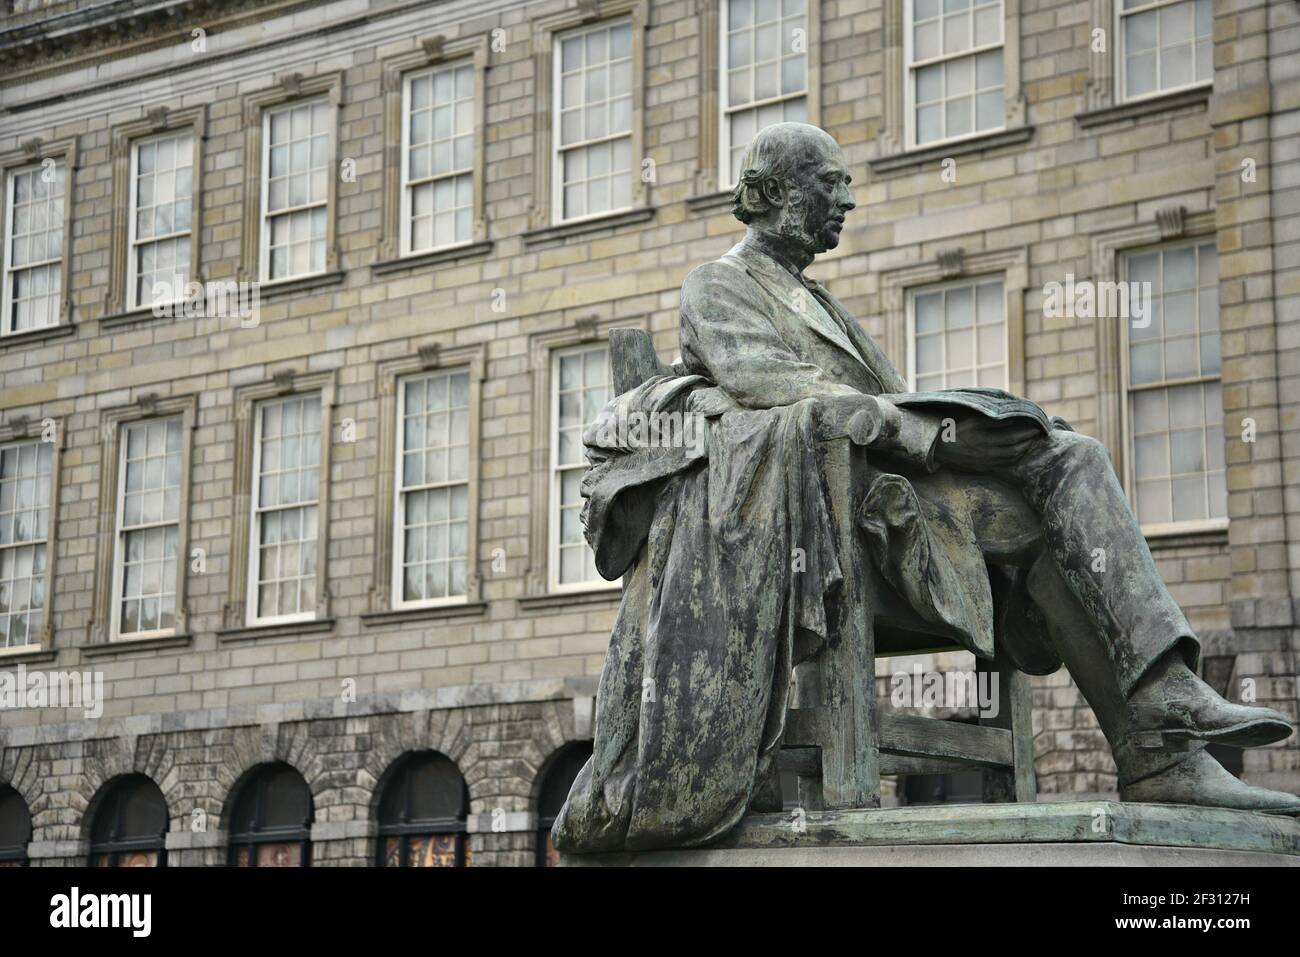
x=373, y=619
x=127, y=645
x=27, y=656
x=20, y=339
x=1199, y=534
x=285, y=287
x=580, y=227
x=709, y=202
x=288, y=629
x=1200, y=96
x=132, y=316
x=434, y=257
x=596, y=596
x=914, y=158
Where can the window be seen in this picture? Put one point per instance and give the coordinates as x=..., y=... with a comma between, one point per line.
x=1164, y=45
x=422, y=814
x=593, y=100
x=25, y=483
x=956, y=79
x=580, y=388
x=764, y=73
x=438, y=158
x=285, y=500
x=33, y=250
x=556, y=782
x=959, y=336
x=1175, y=404
x=148, y=528
x=162, y=181
x=271, y=822
x=431, y=540
x=15, y=828
x=130, y=825
x=295, y=189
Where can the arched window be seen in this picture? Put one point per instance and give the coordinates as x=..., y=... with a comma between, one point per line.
x=422, y=813
x=15, y=828
x=271, y=822
x=130, y=824
x=556, y=781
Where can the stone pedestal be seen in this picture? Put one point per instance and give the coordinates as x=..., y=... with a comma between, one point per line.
x=1075, y=834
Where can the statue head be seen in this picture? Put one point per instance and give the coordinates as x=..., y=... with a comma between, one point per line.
x=794, y=187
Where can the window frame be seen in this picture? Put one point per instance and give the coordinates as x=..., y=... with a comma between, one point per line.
x=32, y=156
x=291, y=90
x=812, y=18
x=909, y=84
x=120, y=532
x=132, y=276
x=586, y=331
x=254, y=524
x=404, y=165
x=1166, y=226
x=557, y=108
x=555, y=470
x=1126, y=470
x=1012, y=264
x=114, y=799
x=1120, y=64
x=159, y=122
x=257, y=778
x=266, y=216
x=401, y=775
x=16, y=855
x=19, y=432
x=545, y=213
x=239, y=612
x=385, y=585
x=894, y=141
x=430, y=53
x=971, y=280
x=398, y=513
x=104, y=623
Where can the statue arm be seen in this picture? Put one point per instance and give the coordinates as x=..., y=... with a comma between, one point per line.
x=725, y=329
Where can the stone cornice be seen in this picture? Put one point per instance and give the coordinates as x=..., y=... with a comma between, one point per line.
x=106, y=30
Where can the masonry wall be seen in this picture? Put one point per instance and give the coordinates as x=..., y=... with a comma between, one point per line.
x=180, y=712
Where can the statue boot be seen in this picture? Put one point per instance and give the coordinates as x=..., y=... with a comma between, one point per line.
x=1158, y=735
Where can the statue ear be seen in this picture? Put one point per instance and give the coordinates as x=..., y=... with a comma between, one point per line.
x=773, y=191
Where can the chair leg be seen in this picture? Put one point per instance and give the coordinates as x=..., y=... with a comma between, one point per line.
x=1015, y=713
x=848, y=728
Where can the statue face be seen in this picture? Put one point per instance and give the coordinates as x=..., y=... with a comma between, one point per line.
x=817, y=199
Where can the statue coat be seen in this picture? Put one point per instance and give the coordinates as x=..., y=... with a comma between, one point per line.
x=728, y=558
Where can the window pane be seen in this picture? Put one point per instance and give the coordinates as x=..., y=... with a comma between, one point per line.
x=960, y=335
x=433, y=443
x=580, y=382
x=34, y=241
x=1167, y=47
x=440, y=133
x=1176, y=430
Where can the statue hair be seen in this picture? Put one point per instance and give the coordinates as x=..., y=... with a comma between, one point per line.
x=773, y=154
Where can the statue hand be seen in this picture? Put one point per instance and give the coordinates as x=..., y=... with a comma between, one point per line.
x=981, y=444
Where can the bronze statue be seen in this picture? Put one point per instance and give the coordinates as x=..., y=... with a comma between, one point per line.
x=692, y=699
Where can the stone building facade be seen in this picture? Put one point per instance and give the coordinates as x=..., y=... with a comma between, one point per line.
x=463, y=196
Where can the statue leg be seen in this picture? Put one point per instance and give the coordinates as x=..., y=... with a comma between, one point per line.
x=1094, y=539
x=1187, y=776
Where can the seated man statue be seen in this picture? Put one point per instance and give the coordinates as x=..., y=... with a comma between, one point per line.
x=692, y=699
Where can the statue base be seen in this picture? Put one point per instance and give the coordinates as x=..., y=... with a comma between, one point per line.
x=1074, y=834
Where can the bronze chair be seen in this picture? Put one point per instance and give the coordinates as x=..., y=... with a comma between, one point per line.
x=837, y=742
